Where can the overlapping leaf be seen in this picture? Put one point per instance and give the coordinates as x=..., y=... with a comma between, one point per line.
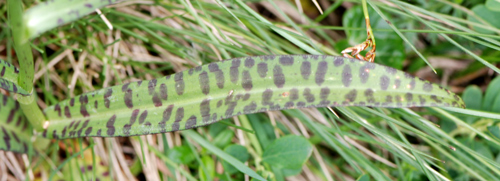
x=9, y=77
x=15, y=130
x=55, y=13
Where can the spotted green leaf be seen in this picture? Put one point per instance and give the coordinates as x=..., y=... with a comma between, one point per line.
x=54, y=13
x=8, y=78
x=15, y=130
x=209, y=93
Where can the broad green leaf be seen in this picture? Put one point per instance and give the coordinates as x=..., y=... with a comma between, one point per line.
x=55, y=13
x=291, y=171
x=495, y=131
x=487, y=15
x=290, y=151
x=15, y=130
x=390, y=47
x=223, y=155
x=209, y=93
x=364, y=177
x=237, y=151
x=491, y=94
x=496, y=105
x=181, y=154
x=493, y=5
x=9, y=78
x=473, y=97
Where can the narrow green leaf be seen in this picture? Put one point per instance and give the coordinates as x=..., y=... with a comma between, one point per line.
x=223, y=155
x=237, y=151
x=170, y=163
x=216, y=91
x=209, y=164
x=291, y=152
x=280, y=31
x=55, y=13
x=401, y=35
x=469, y=112
x=223, y=138
x=15, y=130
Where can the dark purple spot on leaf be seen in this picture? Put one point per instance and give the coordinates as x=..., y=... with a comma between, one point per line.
x=246, y=81
x=409, y=96
x=278, y=76
x=163, y=92
x=127, y=97
x=390, y=70
x=234, y=70
x=157, y=100
x=321, y=72
x=267, y=97
x=308, y=95
x=250, y=108
x=66, y=112
x=143, y=116
x=249, y=62
x=384, y=82
x=427, y=87
x=152, y=86
x=204, y=82
x=286, y=60
x=111, y=125
x=364, y=72
x=191, y=122
x=108, y=94
x=305, y=69
x=179, y=83
x=262, y=69
x=338, y=61
x=205, y=110
x=324, y=93
x=351, y=96
x=346, y=75
x=397, y=83
x=2, y=72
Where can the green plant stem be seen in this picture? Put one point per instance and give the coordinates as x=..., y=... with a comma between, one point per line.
x=27, y=69
x=253, y=139
x=23, y=49
x=367, y=19
x=32, y=111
